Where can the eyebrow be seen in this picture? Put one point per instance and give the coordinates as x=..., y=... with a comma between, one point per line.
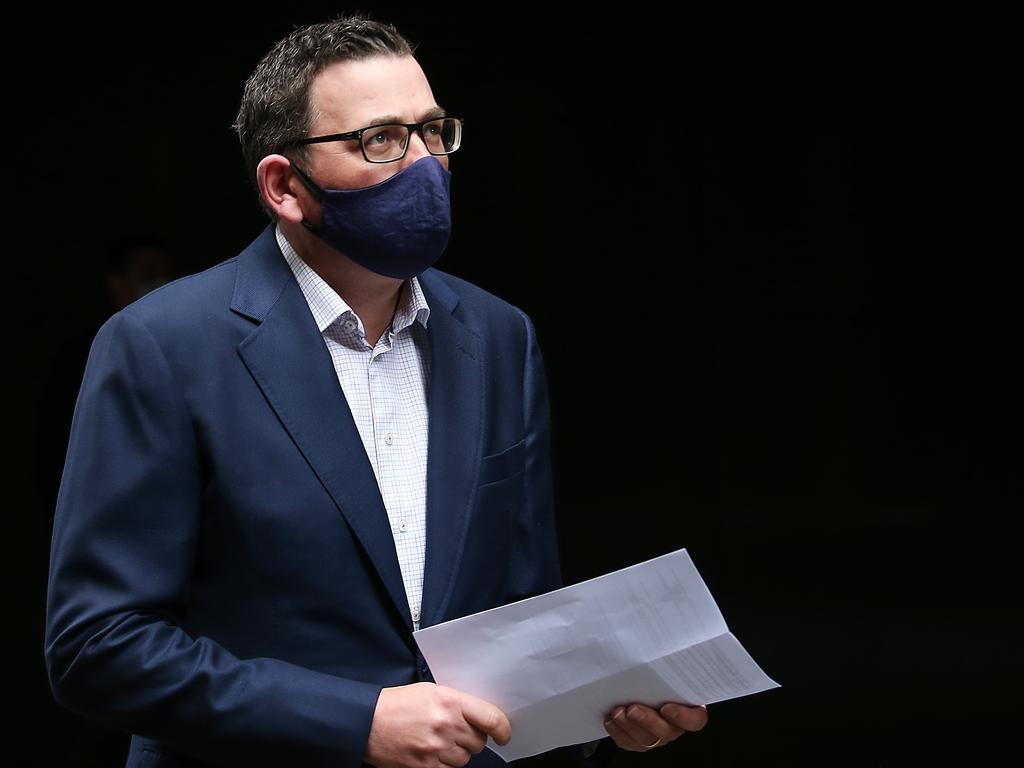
x=430, y=114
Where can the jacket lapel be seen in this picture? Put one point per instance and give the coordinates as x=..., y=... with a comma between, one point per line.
x=286, y=356
x=456, y=441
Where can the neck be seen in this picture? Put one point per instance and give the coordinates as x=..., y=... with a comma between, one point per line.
x=371, y=296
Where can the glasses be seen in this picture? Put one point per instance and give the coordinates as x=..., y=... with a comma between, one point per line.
x=388, y=143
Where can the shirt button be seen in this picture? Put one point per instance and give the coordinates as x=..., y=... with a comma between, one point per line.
x=403, y=526
x=416, y=614
x=350, y=325
x=389, y=438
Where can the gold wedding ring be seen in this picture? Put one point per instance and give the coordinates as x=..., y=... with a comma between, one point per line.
x=652, y=746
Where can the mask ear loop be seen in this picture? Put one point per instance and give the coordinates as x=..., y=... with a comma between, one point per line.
x=314, y=190
x=307, y=182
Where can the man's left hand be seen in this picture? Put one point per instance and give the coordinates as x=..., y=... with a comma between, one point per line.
x=639, y=728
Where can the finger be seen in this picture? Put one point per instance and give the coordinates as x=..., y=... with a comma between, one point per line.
x=454, y=756
x=687, y=718
x=486, y=717
x=471, y=739
x=653, y=723
x=622, y=739
x=637, y=733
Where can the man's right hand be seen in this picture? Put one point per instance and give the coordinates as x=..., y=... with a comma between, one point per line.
x=420, y=725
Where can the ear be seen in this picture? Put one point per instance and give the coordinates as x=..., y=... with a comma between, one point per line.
x=280, y=188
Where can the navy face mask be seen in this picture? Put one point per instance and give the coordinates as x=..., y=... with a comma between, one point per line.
x=397, y=228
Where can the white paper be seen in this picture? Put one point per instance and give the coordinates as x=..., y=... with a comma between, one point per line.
x=556, y=664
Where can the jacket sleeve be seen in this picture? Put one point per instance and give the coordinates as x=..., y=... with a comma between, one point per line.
x=535, y=565
x=124, y=540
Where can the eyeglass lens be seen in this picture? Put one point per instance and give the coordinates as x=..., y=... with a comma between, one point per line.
x=387, y=142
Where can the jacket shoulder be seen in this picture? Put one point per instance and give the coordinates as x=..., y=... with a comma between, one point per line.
x=197, y=292
x=475, y=304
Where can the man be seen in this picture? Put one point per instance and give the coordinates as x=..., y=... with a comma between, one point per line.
x=250, y=524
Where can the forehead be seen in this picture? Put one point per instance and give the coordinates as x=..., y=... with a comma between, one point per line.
x=348, y=95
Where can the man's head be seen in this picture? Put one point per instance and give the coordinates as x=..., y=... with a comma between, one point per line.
x=360, y=112
x=279, y=106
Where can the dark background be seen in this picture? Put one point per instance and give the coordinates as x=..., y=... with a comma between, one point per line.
x=765, y=271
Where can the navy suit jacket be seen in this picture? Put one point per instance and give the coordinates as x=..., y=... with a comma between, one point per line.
x=223, y=580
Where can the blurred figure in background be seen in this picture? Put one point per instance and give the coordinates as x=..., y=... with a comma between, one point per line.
x=132, y=267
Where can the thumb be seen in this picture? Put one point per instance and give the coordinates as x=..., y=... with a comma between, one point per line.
x=486, y=717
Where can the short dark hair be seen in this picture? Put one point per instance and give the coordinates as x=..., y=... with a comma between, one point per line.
x=275, y=109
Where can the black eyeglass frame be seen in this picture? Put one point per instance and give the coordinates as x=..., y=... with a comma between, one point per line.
x=358, y=135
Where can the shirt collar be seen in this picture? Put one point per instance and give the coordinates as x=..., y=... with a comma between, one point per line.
x=328, y=307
